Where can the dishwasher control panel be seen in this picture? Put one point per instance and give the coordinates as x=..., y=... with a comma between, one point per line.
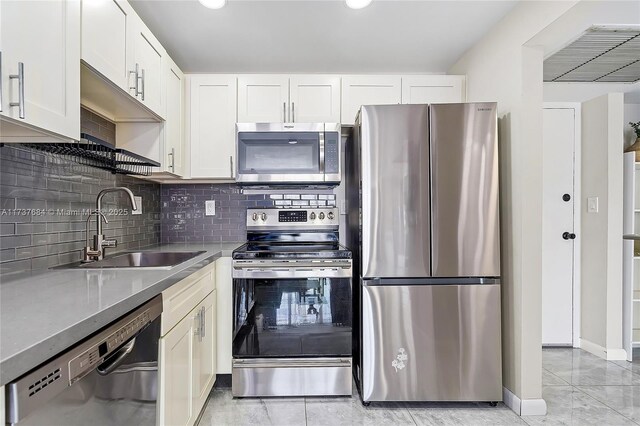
x=96, y=354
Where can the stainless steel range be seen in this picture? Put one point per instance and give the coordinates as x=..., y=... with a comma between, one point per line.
x=292, y=306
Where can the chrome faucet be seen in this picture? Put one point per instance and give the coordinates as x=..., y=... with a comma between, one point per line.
x=96, y=252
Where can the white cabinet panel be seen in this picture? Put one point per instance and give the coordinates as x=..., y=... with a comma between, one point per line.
x=263, y=99
x=173, y=159
x=44, y=36
x=315, y=98
x=224, y=313
x=212, y=117
x=205, y=351
x=176, y=374
x=358, y=90
x=148, y=55
x=433, y=89
x=106, y=44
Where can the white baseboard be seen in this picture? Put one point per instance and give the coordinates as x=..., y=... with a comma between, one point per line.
x=611, y=354
x=527, y=407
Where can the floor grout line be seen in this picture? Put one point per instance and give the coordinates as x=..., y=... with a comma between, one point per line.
x=604, y=403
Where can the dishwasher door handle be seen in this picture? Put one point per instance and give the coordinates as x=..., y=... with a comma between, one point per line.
x=115, y=360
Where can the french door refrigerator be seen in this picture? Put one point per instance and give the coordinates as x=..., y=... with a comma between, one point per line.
x=422, y=196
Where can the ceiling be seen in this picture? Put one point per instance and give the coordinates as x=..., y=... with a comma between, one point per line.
x=601, y=54
x=315, y=36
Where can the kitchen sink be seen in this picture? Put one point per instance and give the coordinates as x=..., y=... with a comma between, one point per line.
x=141, y=259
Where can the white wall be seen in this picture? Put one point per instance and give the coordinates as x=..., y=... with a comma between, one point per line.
x=506, y=66
x=580, y=92
x=601, y=232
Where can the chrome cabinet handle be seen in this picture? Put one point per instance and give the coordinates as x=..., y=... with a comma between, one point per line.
x=284, y=112
x=0, y=81
x=203, y=322
x=135, y=84
x=20, y=77
x=172, y=164
x=198, y=322
x=293, y=112
x=231, y=164
x=142, y=85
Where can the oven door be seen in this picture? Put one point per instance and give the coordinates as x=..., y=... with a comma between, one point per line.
x=293, y=316
x=281, y=156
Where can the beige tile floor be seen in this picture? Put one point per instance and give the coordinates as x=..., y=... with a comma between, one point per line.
x=580, y=389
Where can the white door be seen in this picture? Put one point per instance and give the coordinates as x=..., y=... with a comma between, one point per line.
x=176, y=374
x=315, y=98
x=45, y=37
x=205, y=352
x=558, y=228
x=148, y=55
x=358, y=90
x=263, y=99
x=433, y=89
x=110, y=55
x=174, y=124
x=212, y=119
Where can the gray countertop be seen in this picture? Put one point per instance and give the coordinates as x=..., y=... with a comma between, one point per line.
x=42, y=313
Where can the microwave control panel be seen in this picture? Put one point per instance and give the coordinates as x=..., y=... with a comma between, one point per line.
x=331, y=152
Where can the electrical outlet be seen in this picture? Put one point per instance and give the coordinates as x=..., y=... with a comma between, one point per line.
x=592, y=205
x=138, y=200
x=210, y=208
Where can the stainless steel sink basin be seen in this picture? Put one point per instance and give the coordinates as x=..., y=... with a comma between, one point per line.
x=142, y=259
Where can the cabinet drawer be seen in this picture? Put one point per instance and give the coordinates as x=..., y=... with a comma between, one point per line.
x=179, y=299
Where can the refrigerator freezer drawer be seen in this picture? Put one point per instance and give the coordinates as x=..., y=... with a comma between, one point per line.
x=431, y=343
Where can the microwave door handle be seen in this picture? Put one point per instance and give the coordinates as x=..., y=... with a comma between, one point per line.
x=322, y=152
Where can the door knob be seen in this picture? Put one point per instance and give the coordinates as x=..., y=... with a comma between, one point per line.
x=568, y=236
x=566, y=197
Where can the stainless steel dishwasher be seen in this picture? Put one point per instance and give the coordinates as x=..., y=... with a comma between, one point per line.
x=109, y=379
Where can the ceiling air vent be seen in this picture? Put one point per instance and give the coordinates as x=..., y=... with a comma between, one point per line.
x=601, y=54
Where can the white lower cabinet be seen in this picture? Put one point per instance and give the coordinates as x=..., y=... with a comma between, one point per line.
x=187, y=358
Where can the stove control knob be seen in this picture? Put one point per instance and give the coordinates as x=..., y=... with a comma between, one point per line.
x=312, y=216
x=330, y=215
x=254, y=217
x=321, y=216
x=264, y=216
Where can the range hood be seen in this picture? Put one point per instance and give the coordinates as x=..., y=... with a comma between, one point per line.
x=601, y=54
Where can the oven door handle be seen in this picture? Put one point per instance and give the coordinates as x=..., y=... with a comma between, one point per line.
x=292, y=266
x=115, y=360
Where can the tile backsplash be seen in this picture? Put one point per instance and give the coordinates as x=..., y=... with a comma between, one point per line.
x=44, y=201
x=183, y=213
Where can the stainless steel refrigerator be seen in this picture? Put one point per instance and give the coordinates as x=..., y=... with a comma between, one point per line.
x=422, y=197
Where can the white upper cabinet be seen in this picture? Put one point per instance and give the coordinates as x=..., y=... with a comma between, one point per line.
x=173, y=161
x=358, y=90
x=433, y=89
x=314, y=98
x=263, y=98
x=148, y=56
x=106, y=38
x=40, y=65
x=211, y=112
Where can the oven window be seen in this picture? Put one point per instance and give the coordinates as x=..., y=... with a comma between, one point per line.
x=296, y=317
x=278, y=152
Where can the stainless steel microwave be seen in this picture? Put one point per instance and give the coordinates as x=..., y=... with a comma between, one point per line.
x=288, y=153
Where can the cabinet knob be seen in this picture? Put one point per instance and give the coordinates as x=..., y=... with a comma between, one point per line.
x=568, y=236
x=566, y=197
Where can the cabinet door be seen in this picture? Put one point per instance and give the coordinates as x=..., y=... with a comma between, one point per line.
x=174, y=126
x=212, y=118
x=224, y=296
x=204, y=352
x=433, y=89
x=44, y=36
x=263, y=99
x=176, y=374
x=315, y=98
x=358, y=90
x=106, y=41
x=148, y=54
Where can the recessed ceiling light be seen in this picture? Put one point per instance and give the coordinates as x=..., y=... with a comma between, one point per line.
x=213, y=4
x=358, y=4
